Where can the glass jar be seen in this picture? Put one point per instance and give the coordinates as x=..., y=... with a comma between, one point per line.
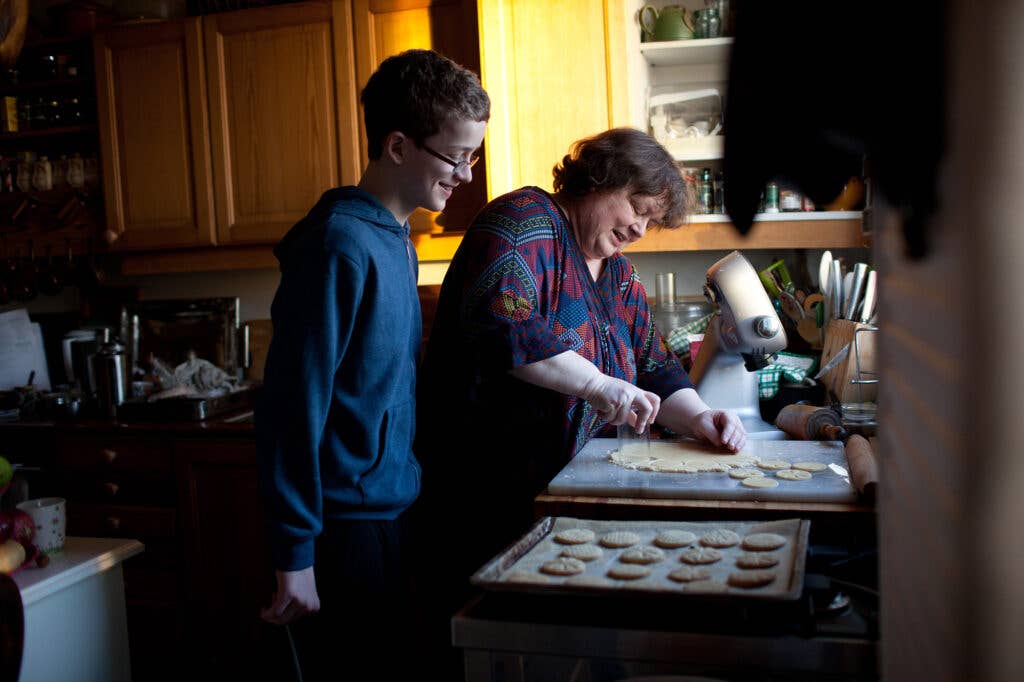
x=26, y=167
x=76, y=171
x=42, y=175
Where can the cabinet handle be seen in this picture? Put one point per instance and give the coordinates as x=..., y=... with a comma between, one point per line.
x=109, y=455
x=113, y=522
x=111, y=488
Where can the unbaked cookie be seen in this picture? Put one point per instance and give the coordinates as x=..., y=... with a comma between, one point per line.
x=582, y=552
x=642, y=555
x=688, y=574
x=620, y=539
x=750, y=579
x=526, y=577
x=793, y=475
x=774, y=464
x=756, y=560
x=671, y=539
x=759, y=482
x=629, y=571
x=744, y=473
x=761, y=542
x=810, y=466
x=563, y=566
x=700, y=555
x=719, y=538
x=575, y=536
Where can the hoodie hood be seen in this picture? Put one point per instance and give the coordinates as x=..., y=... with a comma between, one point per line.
x=351, y=201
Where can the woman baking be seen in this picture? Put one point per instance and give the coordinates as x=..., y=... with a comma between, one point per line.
x=543, y=337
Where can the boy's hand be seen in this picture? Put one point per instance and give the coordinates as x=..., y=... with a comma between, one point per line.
x=295, y=597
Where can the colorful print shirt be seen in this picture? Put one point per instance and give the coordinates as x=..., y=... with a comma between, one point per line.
x=519, y=291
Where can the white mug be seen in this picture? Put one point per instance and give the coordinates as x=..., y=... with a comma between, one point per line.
x=50, y=517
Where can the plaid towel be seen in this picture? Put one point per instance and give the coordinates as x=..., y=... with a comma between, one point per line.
x=679, y=338
x=787, y=368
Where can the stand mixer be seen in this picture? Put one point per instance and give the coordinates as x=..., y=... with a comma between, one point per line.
x=741, y=338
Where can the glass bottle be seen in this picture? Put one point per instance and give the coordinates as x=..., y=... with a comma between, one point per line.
x=76, y=171
x=42, y=175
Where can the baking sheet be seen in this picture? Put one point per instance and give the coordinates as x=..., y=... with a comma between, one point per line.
x=505, y=571
x=591, y=474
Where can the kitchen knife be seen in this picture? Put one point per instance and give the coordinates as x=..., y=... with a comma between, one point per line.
x=836, y=285
x=870, y=293
x=831, y=364
x=847, y=290
x=860, y=274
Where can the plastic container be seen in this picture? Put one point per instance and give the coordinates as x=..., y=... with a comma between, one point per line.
x=690, y=114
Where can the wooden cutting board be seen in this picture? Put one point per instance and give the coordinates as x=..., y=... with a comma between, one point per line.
x=590, y=473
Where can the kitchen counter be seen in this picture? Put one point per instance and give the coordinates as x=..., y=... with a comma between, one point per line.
x=75, y=624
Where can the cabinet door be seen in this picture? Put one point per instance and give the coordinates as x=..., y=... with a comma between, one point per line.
x=277, y=115
x=154, y=135
x=386, y=27
x=551, y=69
x=229, y=573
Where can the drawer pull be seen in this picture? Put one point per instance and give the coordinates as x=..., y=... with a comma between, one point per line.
x=111, y=488
x=113, y=522
x=109, y=455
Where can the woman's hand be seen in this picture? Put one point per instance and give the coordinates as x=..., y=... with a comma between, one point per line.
x=620, y=402
x=720, y=428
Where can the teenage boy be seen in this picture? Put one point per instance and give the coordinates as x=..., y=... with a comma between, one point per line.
x=336, y=424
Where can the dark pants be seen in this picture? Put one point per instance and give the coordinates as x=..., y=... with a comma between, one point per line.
x=367, y=620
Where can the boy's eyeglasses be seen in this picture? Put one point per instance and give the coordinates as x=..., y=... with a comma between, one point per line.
x=457, y=166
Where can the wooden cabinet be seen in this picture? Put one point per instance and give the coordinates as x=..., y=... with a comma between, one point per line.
x=552, y=71
x=152, y=105
x=225, y=129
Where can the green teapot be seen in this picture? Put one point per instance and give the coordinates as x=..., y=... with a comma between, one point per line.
x=671, y=23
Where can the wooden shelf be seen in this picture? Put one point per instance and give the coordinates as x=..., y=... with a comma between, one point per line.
x=678, y=52
x=55, y=84
x=47, y=132
x=815, y=230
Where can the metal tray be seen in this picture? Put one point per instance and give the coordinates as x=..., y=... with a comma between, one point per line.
x=505, y=572
x=185, y=409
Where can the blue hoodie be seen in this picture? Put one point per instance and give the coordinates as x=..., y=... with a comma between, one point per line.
x=336, y=420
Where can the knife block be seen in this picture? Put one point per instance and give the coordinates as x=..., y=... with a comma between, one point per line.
x=839, y=380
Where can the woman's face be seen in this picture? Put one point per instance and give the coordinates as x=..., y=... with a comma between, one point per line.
x=607, y=222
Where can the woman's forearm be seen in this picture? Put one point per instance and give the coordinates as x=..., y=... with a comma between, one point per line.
x=679, y=410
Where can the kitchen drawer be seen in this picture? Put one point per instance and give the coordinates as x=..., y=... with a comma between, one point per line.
x=102, y=520
x=97, y=453
x=116, y=487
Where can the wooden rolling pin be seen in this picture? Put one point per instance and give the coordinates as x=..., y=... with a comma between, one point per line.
x=863, y=466
x=806, y=422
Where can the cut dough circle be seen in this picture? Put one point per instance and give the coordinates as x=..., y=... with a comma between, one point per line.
x=629, y=571
x=759, y=482
x=671, y=539
x=620, y=539
x=575, y=536
x=700, y=555
x=774, y=464
x=763, y=541
x=563, y=566
x=642, y=555
x=582, y=552
x=744, y=473
x=793, y=475
x=810, y=466
x=756, y=560
x=720, y=537
x=749, y=579
x=688, y=574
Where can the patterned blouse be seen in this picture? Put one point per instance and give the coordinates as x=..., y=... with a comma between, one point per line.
x=518, y=291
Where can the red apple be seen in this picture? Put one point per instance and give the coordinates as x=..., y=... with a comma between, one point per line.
x=24, y=528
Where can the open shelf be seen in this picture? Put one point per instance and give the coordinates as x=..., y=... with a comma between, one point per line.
x=677, y=52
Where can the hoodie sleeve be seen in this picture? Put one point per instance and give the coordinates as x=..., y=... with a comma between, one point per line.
x=313, y=314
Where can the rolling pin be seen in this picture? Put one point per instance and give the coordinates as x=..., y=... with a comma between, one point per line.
x=806, y=422
x=863, y=467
